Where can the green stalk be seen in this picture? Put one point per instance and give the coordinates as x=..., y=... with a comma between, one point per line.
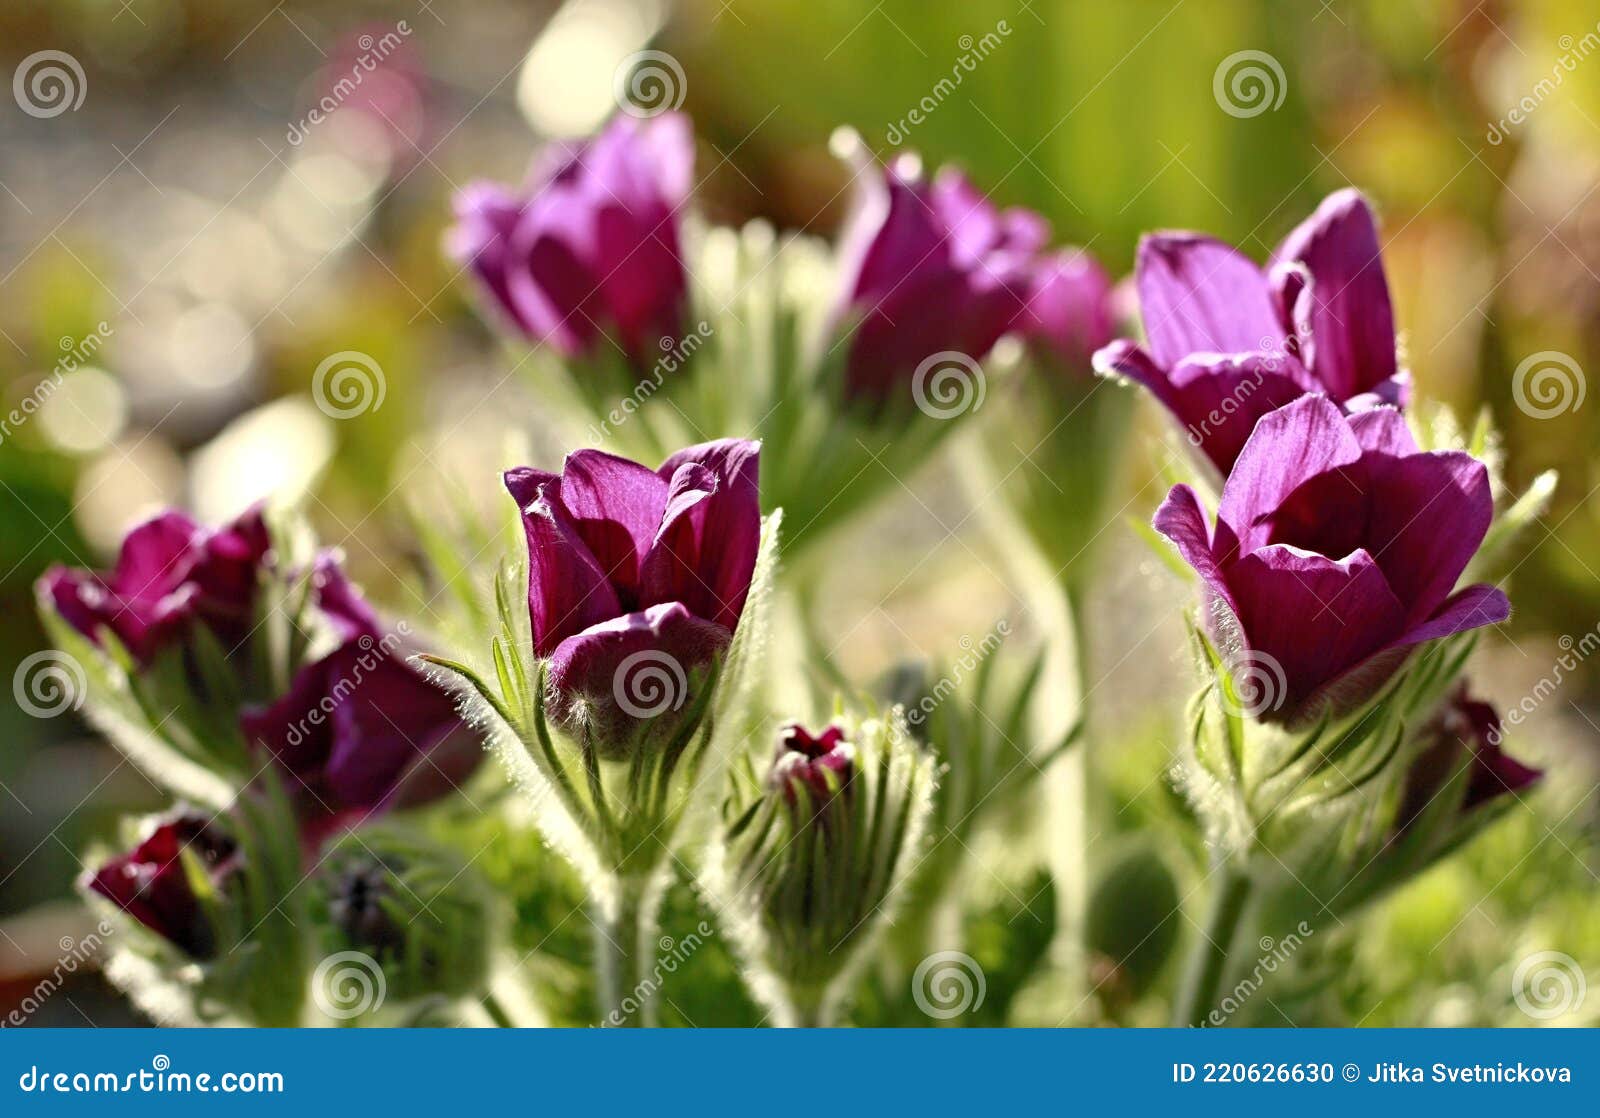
x=625, y=954
x=1208, y=963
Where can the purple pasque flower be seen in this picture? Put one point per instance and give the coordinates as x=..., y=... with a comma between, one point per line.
x=817, y=768
x=1069, y=312
x=360, y=731
x=589, y=247
x=636, y=578
x=1336, y=547
x=170, y=573
x=929, y=268
x=151, y=885
x=1228, y=341
x=1463, y=725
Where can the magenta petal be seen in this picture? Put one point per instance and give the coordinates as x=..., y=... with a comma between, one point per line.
x=614, y=680
x=1313, y=616
x=157, y=555
x=1350, y=344
x=1382, y=429
x=1198, y=294
x=385, y=729
x=617, y=506
x=1434, y=512
x=1470, y=608
x=671, y=571
x=731, y=521
x=1180, y=519
x=341, y=602
x=567, y=590
x=1068, y=312
x=1288, y=448
x=1222, y=396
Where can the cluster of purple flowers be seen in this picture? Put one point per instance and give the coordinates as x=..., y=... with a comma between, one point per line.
x=358, y=731
x=1334, y=551
x=591, y=248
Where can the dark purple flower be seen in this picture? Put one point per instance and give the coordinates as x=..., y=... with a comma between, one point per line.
x=150, y=883
x=930, y=268
x=1069, y=310
x=1336, y=547
x=1462, y=725
x=636, y=577
x=169, y=573
x=820, y=766
x=590, y=246
x=1228, y=341
x=360, y=731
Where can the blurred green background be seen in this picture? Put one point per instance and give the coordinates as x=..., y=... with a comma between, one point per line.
x=228, y=258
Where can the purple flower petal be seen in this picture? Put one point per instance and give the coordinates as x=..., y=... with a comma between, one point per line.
x=567, y=589
x=1288, y=448
x=1340, y=304
x=1313, y=616
x=1198, y=294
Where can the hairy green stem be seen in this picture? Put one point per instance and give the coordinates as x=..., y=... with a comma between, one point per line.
x=625, y=954
x=1208, y=963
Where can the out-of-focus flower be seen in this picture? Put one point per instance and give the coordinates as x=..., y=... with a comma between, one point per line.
x=1465, y=730
x=1228, y=341
x=151, y=883
x=1069, y=312
x=169, y=573
x=1336, y=547
x=417, y=908
x=636, y=578
x=929, y=268
x=812, y=770
x=589, y=248
x=359, y=730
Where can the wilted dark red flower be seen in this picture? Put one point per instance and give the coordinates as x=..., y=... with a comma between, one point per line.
x=151, y=884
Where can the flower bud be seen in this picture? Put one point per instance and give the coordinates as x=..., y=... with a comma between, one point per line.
x=413, y=907
x=816, y=852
